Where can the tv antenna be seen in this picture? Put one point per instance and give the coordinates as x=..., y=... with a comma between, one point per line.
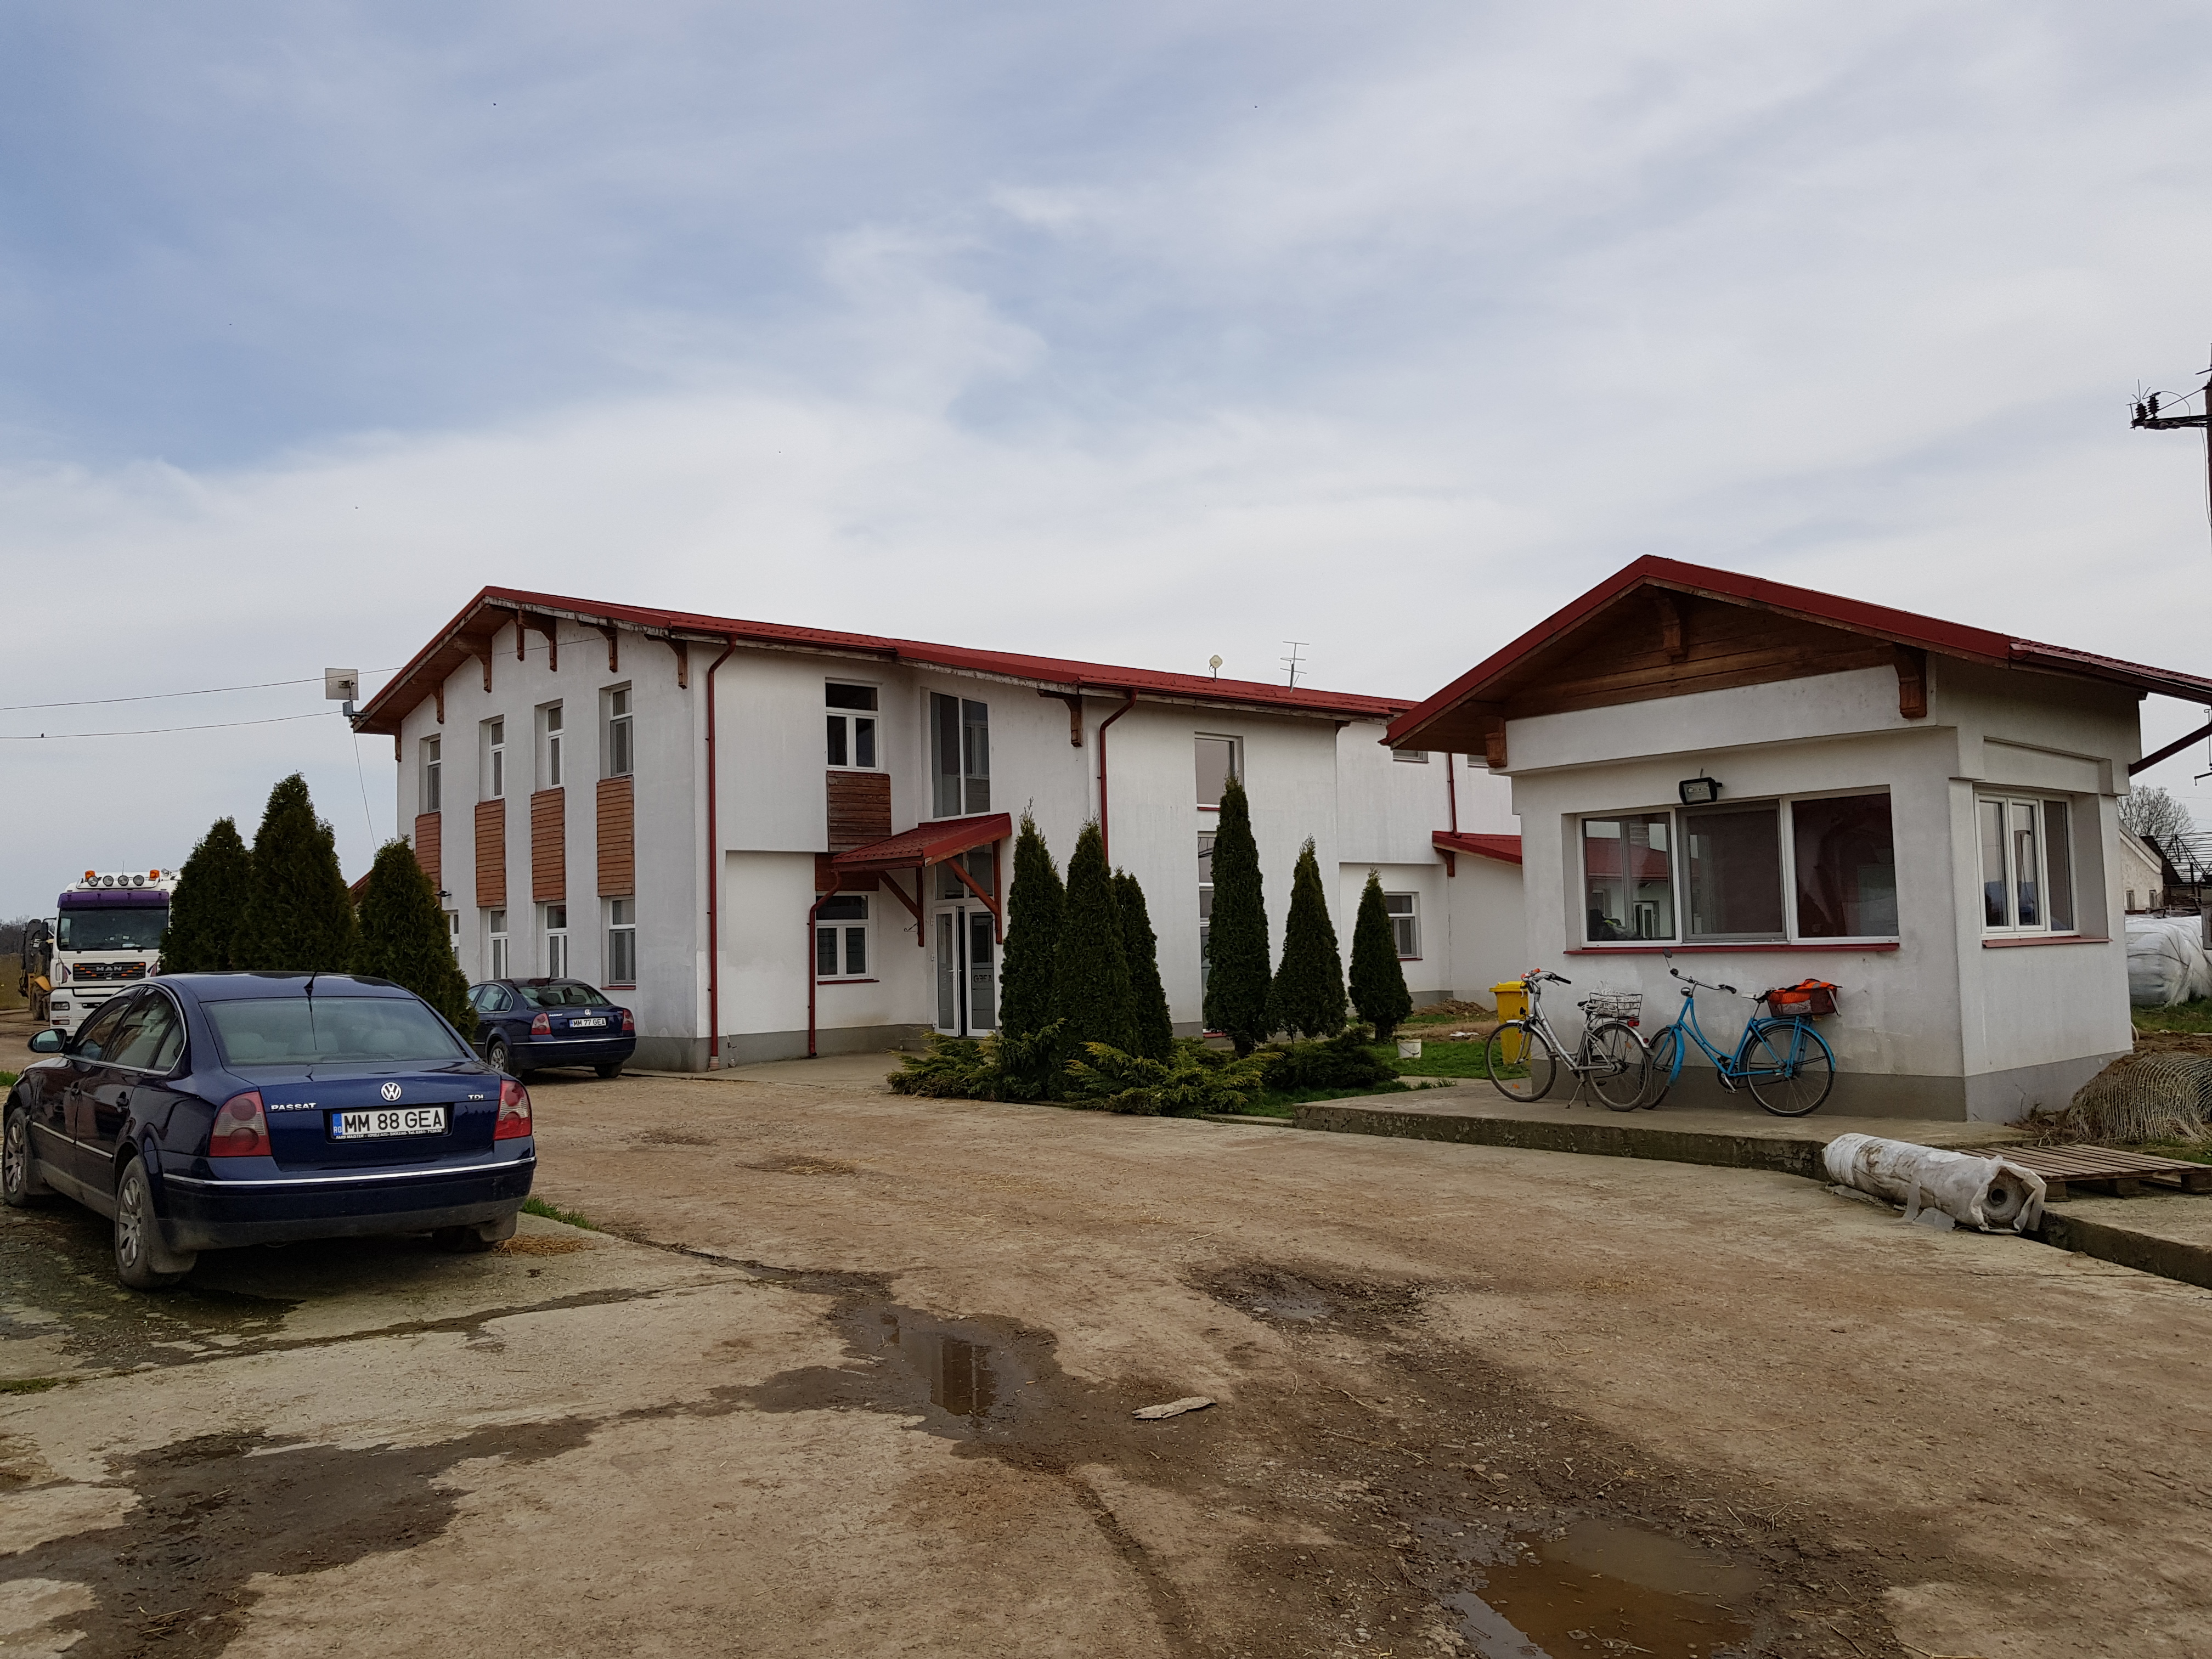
x=1293, y=659
x=2150, y=413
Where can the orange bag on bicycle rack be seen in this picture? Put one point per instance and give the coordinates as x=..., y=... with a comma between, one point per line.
x=1809, y=997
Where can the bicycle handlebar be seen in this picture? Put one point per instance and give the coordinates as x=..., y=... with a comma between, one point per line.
x=1701, y=984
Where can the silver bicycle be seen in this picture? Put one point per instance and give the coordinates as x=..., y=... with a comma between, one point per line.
x=1523, y=1056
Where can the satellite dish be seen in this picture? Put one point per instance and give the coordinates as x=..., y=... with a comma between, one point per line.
x=1214, y=663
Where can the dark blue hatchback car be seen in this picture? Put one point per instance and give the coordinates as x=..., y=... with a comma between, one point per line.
x=202, y=1111
x=525, y=1023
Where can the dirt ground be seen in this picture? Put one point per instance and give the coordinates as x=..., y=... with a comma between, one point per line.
x=849, y=1373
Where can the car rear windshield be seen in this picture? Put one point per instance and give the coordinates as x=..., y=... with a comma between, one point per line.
x=562, y=994
x=317, y=1031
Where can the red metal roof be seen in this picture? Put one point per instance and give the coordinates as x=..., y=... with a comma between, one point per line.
x=926, y=843
x=1506, y=849
x=1854, y=616
x=447, y=650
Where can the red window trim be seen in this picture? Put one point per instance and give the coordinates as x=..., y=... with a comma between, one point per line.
x=2045, y=938
x=1707, y=950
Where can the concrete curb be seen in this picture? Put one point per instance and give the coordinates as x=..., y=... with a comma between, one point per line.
x=1785, y=1155
x=2147, y=1252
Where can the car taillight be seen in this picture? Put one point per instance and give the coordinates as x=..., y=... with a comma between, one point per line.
x=542, y=1026
x=630, y=1021
x=513, y=1111
x=240, y=1129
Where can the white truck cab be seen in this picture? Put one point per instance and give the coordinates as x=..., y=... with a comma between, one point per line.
x=105, y=936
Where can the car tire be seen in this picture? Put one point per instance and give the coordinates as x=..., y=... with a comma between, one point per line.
x=142, y=1261
x=475, y=1239
x=19, y=1186
x=612, y=1069
x=501, y=1058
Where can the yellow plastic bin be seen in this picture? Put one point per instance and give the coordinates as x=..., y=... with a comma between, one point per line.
x=1513, y=1004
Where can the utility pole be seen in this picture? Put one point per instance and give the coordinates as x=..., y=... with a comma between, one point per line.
x=2147, y=415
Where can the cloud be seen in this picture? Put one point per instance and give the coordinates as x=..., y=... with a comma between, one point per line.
x=1133, y=338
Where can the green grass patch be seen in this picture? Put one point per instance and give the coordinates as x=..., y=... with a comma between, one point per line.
x=29, y=1384
x=534, y=1206
x=2183, y=1017
x=1286, y=1103
x=8, y=1079
x=1443, y=1059
x=2188, y=1151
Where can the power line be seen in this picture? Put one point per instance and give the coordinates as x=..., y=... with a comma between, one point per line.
x=159, y=731
x=157, y=697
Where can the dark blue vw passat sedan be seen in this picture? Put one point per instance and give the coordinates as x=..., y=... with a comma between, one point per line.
x=206, y=1110
x=525, y=1023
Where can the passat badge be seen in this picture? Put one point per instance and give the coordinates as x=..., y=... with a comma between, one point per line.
x=391, y=1092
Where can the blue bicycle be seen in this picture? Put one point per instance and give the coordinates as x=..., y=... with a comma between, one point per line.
x=1783, y=1061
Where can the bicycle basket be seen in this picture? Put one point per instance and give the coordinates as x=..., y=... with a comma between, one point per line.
x=1626, y=1006
x=1810, y=996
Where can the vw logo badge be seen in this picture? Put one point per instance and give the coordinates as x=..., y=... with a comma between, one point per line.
x=391, y=1092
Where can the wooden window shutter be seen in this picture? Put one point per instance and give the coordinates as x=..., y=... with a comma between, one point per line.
x=427, y=851
x=617, y=838
x=491, y=854
x=549, y=847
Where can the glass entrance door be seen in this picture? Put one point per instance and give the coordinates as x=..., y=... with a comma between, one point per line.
x=966, y=972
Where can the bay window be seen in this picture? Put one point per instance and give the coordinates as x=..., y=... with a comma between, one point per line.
x=1751, y=873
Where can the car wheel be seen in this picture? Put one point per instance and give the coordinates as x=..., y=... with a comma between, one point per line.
x=20, y=1185
x=501, y=1057
x=611, y=1069
x=475, y=1238
x=141, y=1260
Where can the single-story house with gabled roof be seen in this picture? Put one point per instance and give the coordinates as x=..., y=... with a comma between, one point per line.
x=1765, y=783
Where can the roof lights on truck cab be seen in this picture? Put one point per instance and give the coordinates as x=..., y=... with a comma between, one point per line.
x=128, y=879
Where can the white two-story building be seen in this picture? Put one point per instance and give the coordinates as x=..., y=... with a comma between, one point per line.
x=773, y=840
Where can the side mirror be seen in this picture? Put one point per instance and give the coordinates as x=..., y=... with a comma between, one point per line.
x=48, y=1042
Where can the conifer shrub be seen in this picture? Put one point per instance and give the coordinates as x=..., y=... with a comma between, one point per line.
x=208, y=909
x=1238, y=981
x=403, y=936
x=1345, y=1062
x=1194, y=1079
x=298, y=917
x=1378, y=981
x=952, y=1068
x=1091, y=977
x=1307, y=997
x=1148, y=998
x=1037, y=905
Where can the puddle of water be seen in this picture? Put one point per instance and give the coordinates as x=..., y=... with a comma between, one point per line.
x=1606, y=1588
x=953, y=1364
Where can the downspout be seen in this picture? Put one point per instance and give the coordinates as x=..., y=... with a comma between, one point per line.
x=1451, y=793
x=813, y=980
x=713, y=882
x=1105, y=843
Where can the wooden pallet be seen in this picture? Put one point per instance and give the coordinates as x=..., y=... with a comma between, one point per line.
x=2101, y=1169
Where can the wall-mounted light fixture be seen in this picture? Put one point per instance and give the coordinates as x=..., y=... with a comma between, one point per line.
x=1700, y=790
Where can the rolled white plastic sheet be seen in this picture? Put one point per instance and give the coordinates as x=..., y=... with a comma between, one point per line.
x=2167, y=960
x=1972, y=1191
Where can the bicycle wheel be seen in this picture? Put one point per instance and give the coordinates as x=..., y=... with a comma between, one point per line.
x=1528, y=1076
x=1789, y=1067
x=1618, y=1065
x=1666, y=1044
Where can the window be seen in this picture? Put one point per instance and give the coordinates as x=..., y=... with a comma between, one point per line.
x=454, y=933
x=150, y=1037
x=1846, y=862
x=978, y=862
x=1823, y=867
x=556, y=940
x=495, y=945
x=2027, y=875
x=1418, y=757
x=549, y=746
x=622, y=941
x=2131, y=898
x=1205, y=910
x=619, y=755
x=495, y=765
x=840, y=936
x=1403, y=909
x=432, y=783
x=852, y=732
x=1217, y=762
x=1733, y=862
x=959, y=756
x=1628, y=872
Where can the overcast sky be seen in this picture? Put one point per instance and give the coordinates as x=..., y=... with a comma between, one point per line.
x=1134, y=333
